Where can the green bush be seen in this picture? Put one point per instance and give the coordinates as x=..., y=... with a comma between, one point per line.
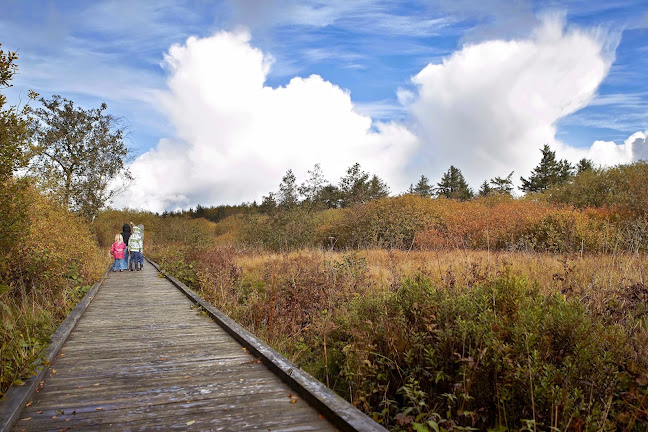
x=498, y=355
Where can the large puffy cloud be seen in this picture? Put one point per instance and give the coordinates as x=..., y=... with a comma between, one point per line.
x=236, y=137
x=486, y=109
x=490, y=106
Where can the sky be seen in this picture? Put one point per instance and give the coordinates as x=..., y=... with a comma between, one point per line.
x=221, y=98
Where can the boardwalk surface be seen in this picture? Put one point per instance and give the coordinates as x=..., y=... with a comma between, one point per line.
x=143, y=358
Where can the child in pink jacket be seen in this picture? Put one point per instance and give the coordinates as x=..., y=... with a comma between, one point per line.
x=118, y=251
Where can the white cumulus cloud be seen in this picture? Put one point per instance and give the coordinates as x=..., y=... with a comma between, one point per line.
x=236, y=137
x=487, y=109
x=490, y=106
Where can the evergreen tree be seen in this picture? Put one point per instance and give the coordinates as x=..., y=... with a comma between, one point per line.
x=268, y=203
x=288, y=191
x=548, y=173
x=503, y=185
x=377, y=188
x=584, y=165
x=358, y=186
x=453, y=185
x=485, y=189
x=329, y=196
x=423, y=187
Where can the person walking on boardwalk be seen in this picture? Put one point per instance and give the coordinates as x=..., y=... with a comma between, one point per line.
x=136, y=247
x=126, y=233
x=118, y=251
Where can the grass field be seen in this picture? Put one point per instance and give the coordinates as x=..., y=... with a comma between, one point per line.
x=452, y=340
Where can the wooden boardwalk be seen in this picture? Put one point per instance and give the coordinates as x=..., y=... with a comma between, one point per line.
x=142, y=357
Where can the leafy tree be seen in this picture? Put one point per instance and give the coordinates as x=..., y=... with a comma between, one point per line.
x=79, y=154
x=358, y=186
x=584, y=165
x=316, y=181
x=288, y=192
x=14, y=134
x=503, y=185
x=453, y=185
x=329, y=197
x=268, y=203
x=548, y=173
x=14, y=131
x=422, y=188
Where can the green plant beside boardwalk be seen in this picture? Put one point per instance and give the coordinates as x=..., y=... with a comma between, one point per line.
x=44, y=271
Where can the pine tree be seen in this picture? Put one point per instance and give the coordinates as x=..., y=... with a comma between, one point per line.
x=358, y=186
x=377, y=188
x=548, y=173
x=503, y=185
x=288, y=192
x=485, y=189
x=423, y=187
x=584, y=165
x=453, y=185
x=329, y=196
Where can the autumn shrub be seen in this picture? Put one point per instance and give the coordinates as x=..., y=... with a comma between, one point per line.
x=500, y=354
x=44, y=272
x=387, y=222
x=623, y=188
x=449, y=339
x=283, y=229
x=410, y=221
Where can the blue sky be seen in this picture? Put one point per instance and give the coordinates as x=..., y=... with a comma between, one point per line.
x=119, y=51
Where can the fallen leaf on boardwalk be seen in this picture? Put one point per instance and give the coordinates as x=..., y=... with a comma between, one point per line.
x=39, y=412
x=186, y=376
x=73, y=412
x=189, y=423
x=293, y=400
x=320, y=416
x=98, y=408
x=67, y=419
x=163, y=358
x=78, y=386
x=60, y=412
x=62, y=355
x=53, y=417
x=26, y=418
x=53, y=371
x=95, y=384
x=29, y=403
x=244, y=349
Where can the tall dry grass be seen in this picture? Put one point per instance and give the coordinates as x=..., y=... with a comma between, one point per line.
x=448, y=338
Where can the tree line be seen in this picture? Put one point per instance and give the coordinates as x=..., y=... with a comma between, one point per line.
x=357, y=186
x=78, y=157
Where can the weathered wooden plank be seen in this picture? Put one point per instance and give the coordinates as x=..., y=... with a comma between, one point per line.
x=16, y=397
x=142, y=358
x=340, y=412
